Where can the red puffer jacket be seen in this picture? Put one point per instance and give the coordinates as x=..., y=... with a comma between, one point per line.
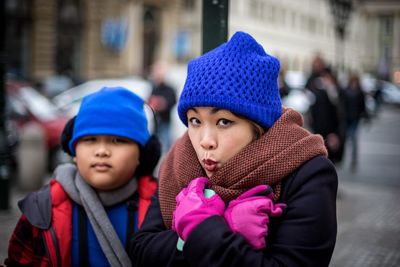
x=42, y=236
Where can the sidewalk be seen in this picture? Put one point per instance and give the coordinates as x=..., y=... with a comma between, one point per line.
x=368, y=226
x=368, y=199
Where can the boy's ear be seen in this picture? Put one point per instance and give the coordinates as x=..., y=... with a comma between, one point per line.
x=149, y=157
x=66, y=136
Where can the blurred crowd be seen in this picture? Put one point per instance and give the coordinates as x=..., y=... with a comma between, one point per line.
x=336, y=108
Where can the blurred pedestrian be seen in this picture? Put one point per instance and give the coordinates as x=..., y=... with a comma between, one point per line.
x=355, y=111
x=87, y=214
x=284, y=88
x=324, y=118
x=256, y=158
x=377, y=96
x=317, y=67
x=336, y=97
x=162, y=100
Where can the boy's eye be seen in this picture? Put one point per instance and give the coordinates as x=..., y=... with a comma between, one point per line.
x=224, y=122
x=89, y=139
x=118, y=140
x=194, y=121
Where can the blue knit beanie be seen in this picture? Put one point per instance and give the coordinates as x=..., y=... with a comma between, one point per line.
x=238, y=76
x=111, y=111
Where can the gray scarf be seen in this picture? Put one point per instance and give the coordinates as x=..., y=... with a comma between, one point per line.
x=94, y=202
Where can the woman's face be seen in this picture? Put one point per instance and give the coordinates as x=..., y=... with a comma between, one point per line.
x=217, y=135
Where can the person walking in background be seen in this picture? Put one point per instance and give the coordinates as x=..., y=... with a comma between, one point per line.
x=355, y=110
x=162, y=100
x=88, y=213
x=377, y=96
x=336, y=97
x=246, y=185
x=317, y=67
x=284, y=88
x=324, y=118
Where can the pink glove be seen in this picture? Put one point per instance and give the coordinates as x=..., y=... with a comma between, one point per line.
x=192, y=207
x=249, y=214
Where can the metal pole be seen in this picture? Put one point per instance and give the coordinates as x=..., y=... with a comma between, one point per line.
x=341, y=11
x=214, y=23
x=4, y=153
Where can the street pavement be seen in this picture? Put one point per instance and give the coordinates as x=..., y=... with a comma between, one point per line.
x=368, y=198
x=367, y=204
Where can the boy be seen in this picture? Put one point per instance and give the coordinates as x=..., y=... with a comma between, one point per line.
x=87, y=214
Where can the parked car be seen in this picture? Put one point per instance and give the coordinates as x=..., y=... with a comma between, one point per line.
x=390, y=93
x=26, y=105
x=69, y=101
x=298, y=98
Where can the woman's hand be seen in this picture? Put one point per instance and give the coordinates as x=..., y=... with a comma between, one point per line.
x=249, y=214
x=192, y=207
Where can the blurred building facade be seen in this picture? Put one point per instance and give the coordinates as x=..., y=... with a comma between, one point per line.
x=91, y=39
x=296, y=30
x=382, y=44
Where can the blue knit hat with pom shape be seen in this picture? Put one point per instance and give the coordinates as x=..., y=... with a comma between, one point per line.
x=238, y=76
x=111, y=111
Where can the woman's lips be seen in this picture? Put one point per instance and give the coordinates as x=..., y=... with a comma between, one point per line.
x=210, y=165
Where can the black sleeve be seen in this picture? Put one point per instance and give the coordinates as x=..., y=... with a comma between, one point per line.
x=304, y=236
x=155, y=245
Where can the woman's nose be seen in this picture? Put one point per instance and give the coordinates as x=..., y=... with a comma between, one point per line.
x=208, y=140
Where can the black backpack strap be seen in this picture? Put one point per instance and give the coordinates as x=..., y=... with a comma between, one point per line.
x=132, y=224
x=82, y=237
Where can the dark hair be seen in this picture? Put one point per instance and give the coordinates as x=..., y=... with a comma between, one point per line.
x=257, y=130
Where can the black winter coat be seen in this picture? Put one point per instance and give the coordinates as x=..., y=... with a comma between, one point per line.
x=304, y=235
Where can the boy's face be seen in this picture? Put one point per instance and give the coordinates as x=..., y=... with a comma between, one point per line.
x=106, y=162
x=217, y=135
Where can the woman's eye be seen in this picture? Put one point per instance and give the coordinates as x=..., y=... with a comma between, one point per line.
x=194, y=121
x=224, y=122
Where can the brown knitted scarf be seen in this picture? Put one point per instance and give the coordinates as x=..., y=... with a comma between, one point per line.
x=268, y=160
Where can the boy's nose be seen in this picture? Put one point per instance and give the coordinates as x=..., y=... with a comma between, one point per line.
x=102, y=151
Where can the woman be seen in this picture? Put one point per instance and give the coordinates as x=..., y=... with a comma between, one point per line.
x=257, y=159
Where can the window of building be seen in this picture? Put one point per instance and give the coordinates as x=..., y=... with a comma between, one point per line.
x=189, y=5
x=312, y=25
x=253, y=7
x=17, y=37
x=386, y=38
x=68, y=36
x=293, y=17
x=151, y=36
